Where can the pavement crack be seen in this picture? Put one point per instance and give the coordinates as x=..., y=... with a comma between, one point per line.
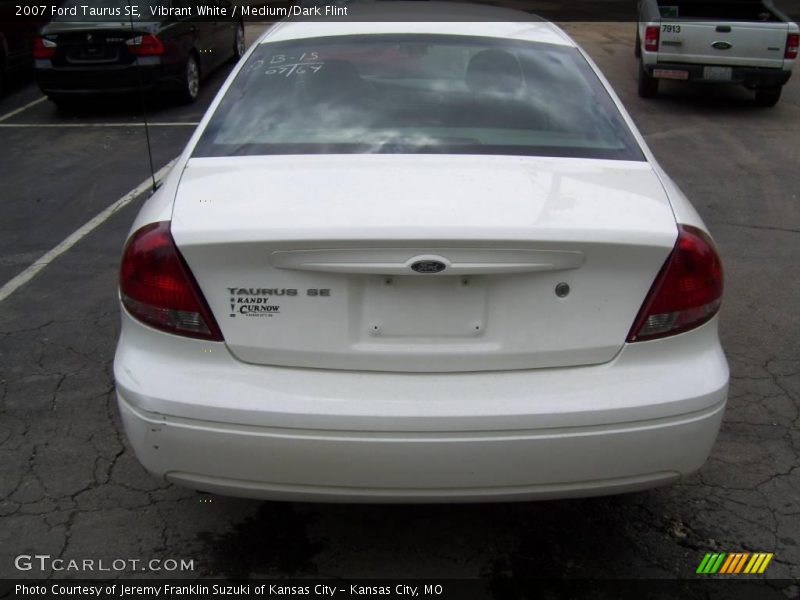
x=762, y=227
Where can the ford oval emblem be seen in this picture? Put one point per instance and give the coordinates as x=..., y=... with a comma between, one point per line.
x=428, y=266
x=722, y=45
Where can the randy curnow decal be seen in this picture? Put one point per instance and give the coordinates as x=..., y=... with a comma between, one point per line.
x=260, y=302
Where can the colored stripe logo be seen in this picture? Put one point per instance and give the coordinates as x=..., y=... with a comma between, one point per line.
x=734, y=563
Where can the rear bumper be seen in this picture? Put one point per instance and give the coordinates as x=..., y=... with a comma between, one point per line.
x=197, y=417
x=112, y=79
x=748, y=76
x=329, y=465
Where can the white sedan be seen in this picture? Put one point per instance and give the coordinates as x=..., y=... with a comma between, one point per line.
x=419, y=261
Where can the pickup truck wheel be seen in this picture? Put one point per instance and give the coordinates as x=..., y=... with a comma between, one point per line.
x=768, y=96
x=648, y=85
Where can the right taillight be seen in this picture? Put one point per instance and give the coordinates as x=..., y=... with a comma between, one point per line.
x=43, y=48
x=157, y=287
x=687, y=291
x=145, y=45
x=792, y=43
x=651, y=35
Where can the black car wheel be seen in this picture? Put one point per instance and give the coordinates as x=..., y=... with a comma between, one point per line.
x=238, y=43
x=3, y=77
x=768, y=96
x=190, y=86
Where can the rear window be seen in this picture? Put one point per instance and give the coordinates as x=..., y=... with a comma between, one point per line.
x=417, y=94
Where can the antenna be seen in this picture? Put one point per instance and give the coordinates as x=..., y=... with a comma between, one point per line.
x=144, y=104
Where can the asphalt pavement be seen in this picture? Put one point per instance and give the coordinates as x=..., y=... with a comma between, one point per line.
x=71, y=488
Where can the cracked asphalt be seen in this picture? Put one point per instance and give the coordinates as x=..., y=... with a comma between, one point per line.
x=71, y=488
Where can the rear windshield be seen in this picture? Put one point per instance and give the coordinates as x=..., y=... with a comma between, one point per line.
x=417, y=94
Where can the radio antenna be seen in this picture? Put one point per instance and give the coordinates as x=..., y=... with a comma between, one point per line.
x=144, y=103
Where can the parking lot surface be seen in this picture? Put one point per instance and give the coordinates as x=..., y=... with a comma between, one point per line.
x=70, y=487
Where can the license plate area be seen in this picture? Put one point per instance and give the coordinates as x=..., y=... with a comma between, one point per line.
x=423, y=307
x=93, y=53
x=671, y=74
x=717, y=73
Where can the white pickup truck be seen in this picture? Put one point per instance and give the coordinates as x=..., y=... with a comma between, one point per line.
x=749, y=42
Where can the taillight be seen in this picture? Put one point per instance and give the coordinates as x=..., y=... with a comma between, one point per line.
x=687, y=291
x=43, y=48
x=651, y=34
x=158, y=288
x=792, y=43
x=145, y=45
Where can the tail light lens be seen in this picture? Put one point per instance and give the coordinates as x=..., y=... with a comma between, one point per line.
x=43, y=48
x=792, y=43
x=687, y=291
x=145, y=45
x=158, y=288
x=651, y=35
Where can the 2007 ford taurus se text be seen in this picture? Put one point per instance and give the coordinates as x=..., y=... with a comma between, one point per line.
x=419, y=261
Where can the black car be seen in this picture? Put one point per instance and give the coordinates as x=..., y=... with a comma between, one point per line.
x=112, y=52
x=17, y=31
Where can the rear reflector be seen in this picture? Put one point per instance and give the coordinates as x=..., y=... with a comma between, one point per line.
x=43, y=48
x=145, y=45
x=651, y=35
x=157, y=287
x=687, y=291
x=792, y=43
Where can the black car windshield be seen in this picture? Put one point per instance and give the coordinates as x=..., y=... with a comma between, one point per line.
x=416, y=94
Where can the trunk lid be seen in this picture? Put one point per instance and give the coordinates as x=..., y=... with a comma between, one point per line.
x=310, y=261
x=725, y=43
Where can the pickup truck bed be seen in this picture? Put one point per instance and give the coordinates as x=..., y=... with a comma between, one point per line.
x=748, y=42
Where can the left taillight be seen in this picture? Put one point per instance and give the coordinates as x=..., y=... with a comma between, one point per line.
x=43, y=48
x=145, y=45
x=651, y=38
x=157, y=287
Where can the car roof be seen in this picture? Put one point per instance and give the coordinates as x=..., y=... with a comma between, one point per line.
x=423, y=18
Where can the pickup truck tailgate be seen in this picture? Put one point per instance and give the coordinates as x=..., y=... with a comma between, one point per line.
x=723, y=43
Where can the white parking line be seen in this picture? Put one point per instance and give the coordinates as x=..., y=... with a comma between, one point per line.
x=90, y=125
x=31, y=272
x=22, y=108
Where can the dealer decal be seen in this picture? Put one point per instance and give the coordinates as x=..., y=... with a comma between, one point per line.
x=263, y=302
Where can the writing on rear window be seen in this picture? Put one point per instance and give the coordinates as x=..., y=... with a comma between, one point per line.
x=417, y=94
x=283, y=58
x=294, y=69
